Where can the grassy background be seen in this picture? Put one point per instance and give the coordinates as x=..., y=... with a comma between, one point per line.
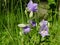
x=11, y=34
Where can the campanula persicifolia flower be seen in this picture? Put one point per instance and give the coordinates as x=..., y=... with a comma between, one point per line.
x=26, y=29
x=44, y=28
x=33, y=23
x=32, y=6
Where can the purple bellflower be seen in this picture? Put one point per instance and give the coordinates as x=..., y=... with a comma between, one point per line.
x=44, y=28
x=33, y=23
x=26, y=29
x=32, y=6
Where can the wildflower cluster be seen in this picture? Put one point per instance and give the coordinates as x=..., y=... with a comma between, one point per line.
x=33, y=7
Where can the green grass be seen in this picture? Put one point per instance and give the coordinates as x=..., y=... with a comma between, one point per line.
x=10, y=32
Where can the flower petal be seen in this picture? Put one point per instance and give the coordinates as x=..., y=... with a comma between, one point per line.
x=43, y=22
x=33, y=23
x=32, y=6
x=44, y=33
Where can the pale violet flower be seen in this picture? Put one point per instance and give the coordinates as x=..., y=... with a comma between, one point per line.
x=43, y=22
x=32, y=6
x=25, y=27
x=33, y=23
x=44, y=28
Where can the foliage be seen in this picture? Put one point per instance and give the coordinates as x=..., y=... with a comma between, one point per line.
x=12, y=13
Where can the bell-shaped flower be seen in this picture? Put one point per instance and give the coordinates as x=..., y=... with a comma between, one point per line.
x=33, y=23
x=25, y=27
x=32, y=6
x=44, y=28
x=43, y=22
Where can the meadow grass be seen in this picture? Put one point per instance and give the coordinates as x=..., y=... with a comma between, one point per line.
x=11, y=34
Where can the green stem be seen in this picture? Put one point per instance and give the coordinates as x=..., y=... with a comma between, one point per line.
x=21, y=11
